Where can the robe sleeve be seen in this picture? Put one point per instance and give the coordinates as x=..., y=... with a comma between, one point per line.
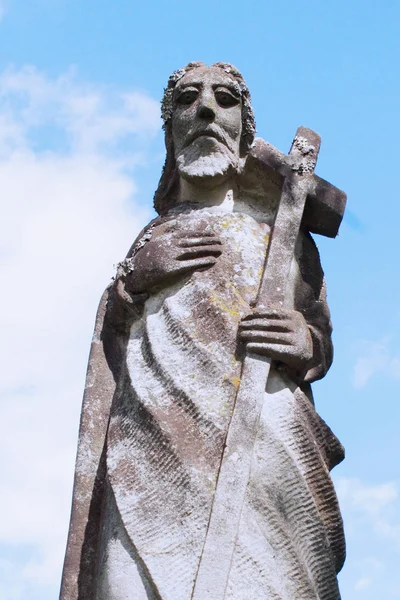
x=116, y=312
x=83, y=537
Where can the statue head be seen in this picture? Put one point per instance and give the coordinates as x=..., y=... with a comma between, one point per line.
x=209, y=127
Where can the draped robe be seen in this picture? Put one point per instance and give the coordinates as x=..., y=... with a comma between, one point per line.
x=177, y=369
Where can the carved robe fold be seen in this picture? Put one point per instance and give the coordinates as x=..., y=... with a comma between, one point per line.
x=176, y=373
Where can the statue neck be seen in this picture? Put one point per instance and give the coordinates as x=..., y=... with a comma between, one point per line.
x=224, y=194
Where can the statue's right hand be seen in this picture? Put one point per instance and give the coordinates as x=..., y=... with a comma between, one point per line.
x=169, y=255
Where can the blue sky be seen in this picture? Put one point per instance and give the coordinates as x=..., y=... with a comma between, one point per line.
x=81, y=151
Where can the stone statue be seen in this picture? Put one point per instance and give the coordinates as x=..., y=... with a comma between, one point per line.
x=203, y=468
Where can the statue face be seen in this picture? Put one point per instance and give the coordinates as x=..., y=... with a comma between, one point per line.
x=207, y=124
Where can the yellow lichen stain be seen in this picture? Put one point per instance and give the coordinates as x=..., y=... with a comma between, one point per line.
x=227, y=309
x=225, y=222
x=225, y=408
x=235, y=223
x=236, y=381
x=238, y=296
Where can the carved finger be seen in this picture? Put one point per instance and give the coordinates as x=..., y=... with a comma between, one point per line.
x=196, y=263
x=192, y=233
x=267, y=325
x=266, y=337
x=274, y=351
x=199, y=241
x=272, y=313
x=199, y=251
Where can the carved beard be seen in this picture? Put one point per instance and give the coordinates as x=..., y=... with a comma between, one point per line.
x=207, y=158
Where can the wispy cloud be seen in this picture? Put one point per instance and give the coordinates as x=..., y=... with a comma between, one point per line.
x=375, y=357
x=370, y=500
x=70, y=212
x=371, y=517
x=362, y=584
x=89, y=117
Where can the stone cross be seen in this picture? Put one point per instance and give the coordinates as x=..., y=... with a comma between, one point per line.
x=324, y=217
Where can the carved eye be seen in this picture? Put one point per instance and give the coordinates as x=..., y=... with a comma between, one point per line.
x=226, y=99
x=187, y=97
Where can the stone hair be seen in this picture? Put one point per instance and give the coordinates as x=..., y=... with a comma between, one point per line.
x=168, y=181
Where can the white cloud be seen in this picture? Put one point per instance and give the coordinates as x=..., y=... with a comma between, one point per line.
x=375, y=358
x=363, y=584
x=373, y=564
x=394, y=591
x=371, y=570
x=372, y=526
x=90, y=117
x=370, y=500
x=374, y=506
x=69, y=213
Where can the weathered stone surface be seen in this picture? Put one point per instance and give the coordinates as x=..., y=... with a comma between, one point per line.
x=185, y=487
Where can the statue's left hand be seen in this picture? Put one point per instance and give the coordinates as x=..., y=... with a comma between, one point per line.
x=280, y=334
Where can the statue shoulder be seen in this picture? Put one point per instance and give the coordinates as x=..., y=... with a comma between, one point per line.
x=145, y=235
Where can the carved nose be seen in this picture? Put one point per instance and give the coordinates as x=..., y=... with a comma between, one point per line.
x=206, y=113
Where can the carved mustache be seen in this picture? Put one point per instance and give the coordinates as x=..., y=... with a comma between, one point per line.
x=209, y=132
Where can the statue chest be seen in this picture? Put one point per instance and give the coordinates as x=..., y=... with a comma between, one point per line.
x=232, y=283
